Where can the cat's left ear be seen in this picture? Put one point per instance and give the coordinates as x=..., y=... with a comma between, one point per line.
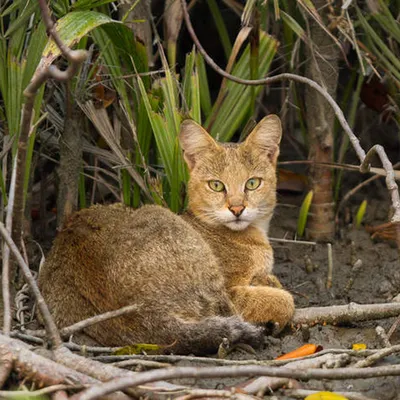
x=267, y=136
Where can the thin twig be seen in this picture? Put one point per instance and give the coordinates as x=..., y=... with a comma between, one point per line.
x=374, y=358
x=27, y=394
x=330, y=267
x=364, y=167
x=143, y=378
x=355, y=189
x=5, y=277
x=141, y=363
x=292, y=241
x=79, y=326
x=49, y=323
x=69, y=330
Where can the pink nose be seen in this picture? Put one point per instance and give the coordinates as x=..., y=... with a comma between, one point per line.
x=236, y=210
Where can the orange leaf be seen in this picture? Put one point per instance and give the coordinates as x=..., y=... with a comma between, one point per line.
x=302, y=351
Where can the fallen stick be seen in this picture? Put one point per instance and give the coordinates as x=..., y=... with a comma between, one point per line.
x=66, y=366
x=144, y=378
x=259, y=385
x=351, y=312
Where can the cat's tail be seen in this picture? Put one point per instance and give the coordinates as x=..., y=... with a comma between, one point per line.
x=205, y=336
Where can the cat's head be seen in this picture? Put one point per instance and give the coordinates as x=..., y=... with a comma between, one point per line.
x=232, y=184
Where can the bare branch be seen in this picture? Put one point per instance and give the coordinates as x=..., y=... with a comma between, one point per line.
x=390, y=181
x=374, y=358
x=351, y=312
x=143, y=378
x=79, y=326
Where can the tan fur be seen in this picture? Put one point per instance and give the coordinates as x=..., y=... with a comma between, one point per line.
x=193, y=277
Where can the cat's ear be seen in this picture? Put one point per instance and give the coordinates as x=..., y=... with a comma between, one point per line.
x=267, y=136
x=194, y=140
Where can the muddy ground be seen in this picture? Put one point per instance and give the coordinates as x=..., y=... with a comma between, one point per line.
x=303, y=271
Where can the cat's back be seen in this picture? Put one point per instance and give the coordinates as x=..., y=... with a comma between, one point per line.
x=105, y=234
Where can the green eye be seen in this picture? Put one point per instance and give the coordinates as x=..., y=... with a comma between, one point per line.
x=217, y=186
x=253, y=183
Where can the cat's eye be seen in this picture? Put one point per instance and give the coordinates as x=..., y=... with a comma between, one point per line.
x=217, y=186
x=253, y=183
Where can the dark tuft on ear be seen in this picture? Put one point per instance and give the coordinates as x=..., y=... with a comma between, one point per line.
x=267, y=136
x=194, y=140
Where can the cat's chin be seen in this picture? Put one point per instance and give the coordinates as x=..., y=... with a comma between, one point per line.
x=237, y=225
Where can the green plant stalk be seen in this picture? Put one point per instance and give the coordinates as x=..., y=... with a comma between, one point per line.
x=3, y=188
x=205, y=97
x=219, y=23
x=303, y=214
x=126, y=187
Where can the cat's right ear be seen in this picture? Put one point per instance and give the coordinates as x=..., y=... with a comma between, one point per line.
x=194, y=140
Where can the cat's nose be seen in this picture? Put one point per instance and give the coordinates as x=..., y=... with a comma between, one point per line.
x=236, y=210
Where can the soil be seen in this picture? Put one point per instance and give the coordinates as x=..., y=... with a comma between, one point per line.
x=302, y=269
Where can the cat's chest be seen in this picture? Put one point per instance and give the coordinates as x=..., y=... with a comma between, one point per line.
x=241, y=257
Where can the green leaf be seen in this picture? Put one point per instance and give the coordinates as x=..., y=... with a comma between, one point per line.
x=227, y=118
x=293, y=25
x=361, y=213
x=303, y=214
x=221, y=27
x=88, y=4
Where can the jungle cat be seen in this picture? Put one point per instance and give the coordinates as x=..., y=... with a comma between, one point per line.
x=196, y=278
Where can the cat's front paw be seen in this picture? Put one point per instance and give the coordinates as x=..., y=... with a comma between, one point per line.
x=283, y=310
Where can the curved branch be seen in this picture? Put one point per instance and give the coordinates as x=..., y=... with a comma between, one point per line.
x=124, y=382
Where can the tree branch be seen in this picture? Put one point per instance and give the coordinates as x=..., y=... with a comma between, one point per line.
x=351, y=312
x=143, y=378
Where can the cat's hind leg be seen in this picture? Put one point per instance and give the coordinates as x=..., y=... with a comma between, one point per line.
x=260, y=304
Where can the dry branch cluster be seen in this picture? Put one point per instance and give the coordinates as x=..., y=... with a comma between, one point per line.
x=61, y=372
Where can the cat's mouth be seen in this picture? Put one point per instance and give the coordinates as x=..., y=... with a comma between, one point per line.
x=237, y=224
